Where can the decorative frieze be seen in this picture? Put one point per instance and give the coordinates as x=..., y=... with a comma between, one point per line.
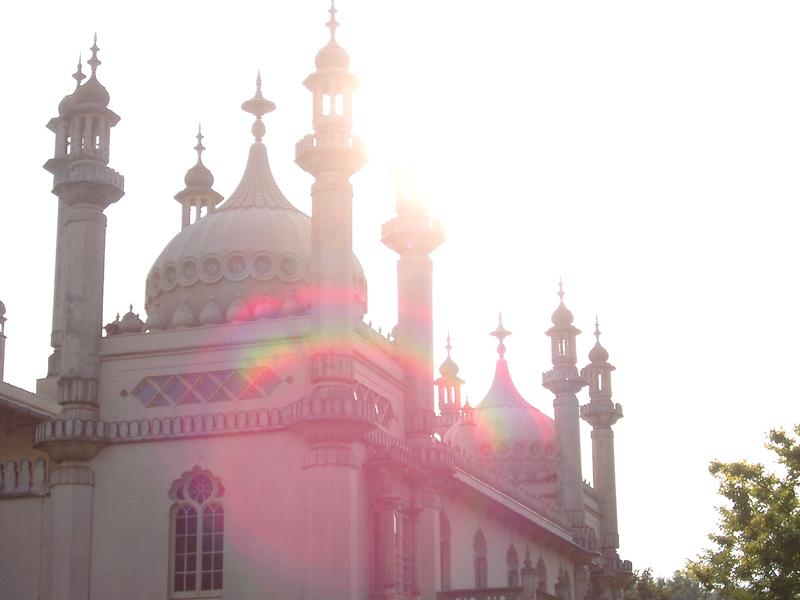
x=71, y=475
x=320, y=456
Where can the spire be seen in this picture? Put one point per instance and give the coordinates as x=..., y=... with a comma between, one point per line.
x=501, y=333
x=258, y=106
x=332, y=24
x=199, y=147
x=78, y=75
x=94, y=62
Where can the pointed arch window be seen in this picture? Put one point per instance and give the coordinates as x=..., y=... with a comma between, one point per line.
x=444, y=550
x=512, y=562
x=197, y=528
x=481, y=561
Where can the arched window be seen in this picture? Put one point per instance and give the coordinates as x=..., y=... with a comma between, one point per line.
x=197, y=528
x=481, y=561
x=541, y=576
x=512, y=562
x=444, y=549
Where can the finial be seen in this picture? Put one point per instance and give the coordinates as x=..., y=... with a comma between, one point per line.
x=130, y=308
x=94, y=62
x=332, y=24
x=78, y=76
x=258, y=106
x=596, y=329
x=501, y=333
x=560, y=289
x=448, y=347
x=199, y=147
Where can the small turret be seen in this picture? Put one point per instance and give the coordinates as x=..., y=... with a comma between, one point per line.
x=449, y=388
x=198, y=193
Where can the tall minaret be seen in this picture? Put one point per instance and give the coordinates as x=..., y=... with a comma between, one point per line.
x=331, y=465
x=85, y=187
x=565, y=382
x=332, y=155
x=414, y=235
x=601, y=413
x=198, y=193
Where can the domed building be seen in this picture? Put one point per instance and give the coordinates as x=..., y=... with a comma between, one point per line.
x=249, y=435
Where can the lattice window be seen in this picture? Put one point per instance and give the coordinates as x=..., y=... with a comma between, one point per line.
x=212, y=386
x=198, y=528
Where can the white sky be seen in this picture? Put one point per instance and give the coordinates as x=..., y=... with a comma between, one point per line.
x=645, y=151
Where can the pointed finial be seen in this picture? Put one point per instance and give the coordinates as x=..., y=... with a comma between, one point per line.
x=596, y=329
x=78, y=75
x=448, y=347
x=94, y=62
x=130, y=308
x=258, y=106
x=199, y=147
x=501, y=333
x=332, y=24
x=560, y=289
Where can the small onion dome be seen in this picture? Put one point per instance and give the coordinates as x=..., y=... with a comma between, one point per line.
x=199, y=176
x=332, y=56
x=562, y=316
x=131, y=323
x=292, y=306
x=449, y=368
x=91, y=92
x=267, y=307
x=598, y=354
x=155, y=320
x=183, y=316
x=238, y=311
x=211, y=314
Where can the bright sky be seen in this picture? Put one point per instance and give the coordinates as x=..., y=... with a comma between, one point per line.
x=645, y=151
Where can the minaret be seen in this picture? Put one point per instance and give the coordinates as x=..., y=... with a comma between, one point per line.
x=449, y=388
x=414, y=235
x=332, y=155
x=336, y=418
x=85, y=187
x=198, y=193
x=601, y=413
x=565, y=382
x=59, y=125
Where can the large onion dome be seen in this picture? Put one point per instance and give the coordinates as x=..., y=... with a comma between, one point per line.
x=507, y=433
x=250, y=258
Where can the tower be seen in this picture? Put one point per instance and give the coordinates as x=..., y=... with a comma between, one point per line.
x=413, y=235
x=565, y=382
x=198, y=193
x=85, y=187
x=332, y=155
x=601, y=413
x=336, y=417
x=449, y=392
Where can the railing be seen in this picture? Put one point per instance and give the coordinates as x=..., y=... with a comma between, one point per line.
x=24, y=478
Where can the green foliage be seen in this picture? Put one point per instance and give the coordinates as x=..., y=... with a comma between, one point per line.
x=643, y=586
x=757, y=554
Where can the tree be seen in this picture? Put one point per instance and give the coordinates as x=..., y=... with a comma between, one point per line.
x=643, y=586
x=757, y=553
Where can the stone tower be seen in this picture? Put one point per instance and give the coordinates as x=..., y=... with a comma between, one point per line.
x=335, y=418
x=85, y=187
x=601, y=413
x=414, y=235
x=565, y=382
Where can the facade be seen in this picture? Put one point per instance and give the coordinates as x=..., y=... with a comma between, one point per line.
x=253, y=437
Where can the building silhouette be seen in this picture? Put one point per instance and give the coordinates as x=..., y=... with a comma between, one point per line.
x=253, y=437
